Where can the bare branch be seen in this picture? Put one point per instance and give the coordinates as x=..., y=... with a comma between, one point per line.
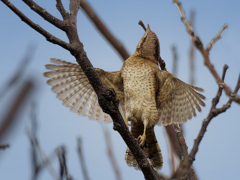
x=36, y=27
x=4, y=146
x=213, y=113
x=110, y=152
x=74, y=7
x=183, y=17
x=173, y=139
x=103, y=29
x=205, y=53
x=184, y=167
x=45, y=160
x=44, y=14
x=9, y=118
x=61, y=151
x=208, y=48
x=181, y=140
x=106, y=96
x=61, y=9
x=81, y=158
x=192, y=51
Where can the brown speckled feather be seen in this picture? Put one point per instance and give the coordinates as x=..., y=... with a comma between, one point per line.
x=147, y=96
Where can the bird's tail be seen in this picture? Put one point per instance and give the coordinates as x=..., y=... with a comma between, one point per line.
x=151, y=148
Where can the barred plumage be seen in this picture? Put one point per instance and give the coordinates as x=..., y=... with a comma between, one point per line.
x=73, y=88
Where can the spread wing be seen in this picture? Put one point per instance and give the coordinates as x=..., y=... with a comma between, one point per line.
x=176, y=100
x=73, y=88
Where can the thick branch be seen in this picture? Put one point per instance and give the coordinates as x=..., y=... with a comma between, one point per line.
x=103, y=29
x=106, y=97
x=74, y=6
x=205, y=52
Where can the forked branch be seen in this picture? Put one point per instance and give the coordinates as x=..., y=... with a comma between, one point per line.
x=205, y=52
x=187, y=162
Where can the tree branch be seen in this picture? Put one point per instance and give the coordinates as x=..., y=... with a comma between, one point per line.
x=110, y=152
x=106, y=96
x=36, y=27
x=187, y=162
x=205, y=52
x=192, y=51
x=103, y=29
x=44, y=14
x=81, y=159
x=61, y=9
x=208, y=48
x=4, y=146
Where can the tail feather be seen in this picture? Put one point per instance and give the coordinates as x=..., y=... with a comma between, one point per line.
x=151, y=148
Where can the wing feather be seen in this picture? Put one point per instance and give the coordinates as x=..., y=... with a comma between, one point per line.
x=176, y=100
x=73, y=88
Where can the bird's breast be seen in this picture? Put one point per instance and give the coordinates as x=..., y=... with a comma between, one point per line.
x=139, y=86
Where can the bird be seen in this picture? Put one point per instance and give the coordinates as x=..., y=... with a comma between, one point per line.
x=147, y=95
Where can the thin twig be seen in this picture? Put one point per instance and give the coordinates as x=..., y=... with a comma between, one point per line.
x=9, y=118
x=38, y=28
x=4, y=146
x=33, y=145
x=110, y=152
x=61, y=151
x=205, y=52
x=192, y=51
x=103, y=29
x=61, y=164
x=213, y=113
x=81, y=158
x=46, y=15
x=34, y=142
x=187, y=162
x=61, y=9
x=208, y=48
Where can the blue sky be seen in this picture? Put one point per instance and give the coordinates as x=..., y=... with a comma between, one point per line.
x=218, y=156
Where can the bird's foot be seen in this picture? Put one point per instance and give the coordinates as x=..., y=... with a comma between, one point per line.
x=142, y=140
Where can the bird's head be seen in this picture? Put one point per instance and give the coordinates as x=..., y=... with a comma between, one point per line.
x=148, y=47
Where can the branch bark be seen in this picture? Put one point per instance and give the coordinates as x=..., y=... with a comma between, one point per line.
x=205, y=52
x=106, y=96
x=184, y=168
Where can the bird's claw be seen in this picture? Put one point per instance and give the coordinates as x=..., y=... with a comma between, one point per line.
x=141, y=140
